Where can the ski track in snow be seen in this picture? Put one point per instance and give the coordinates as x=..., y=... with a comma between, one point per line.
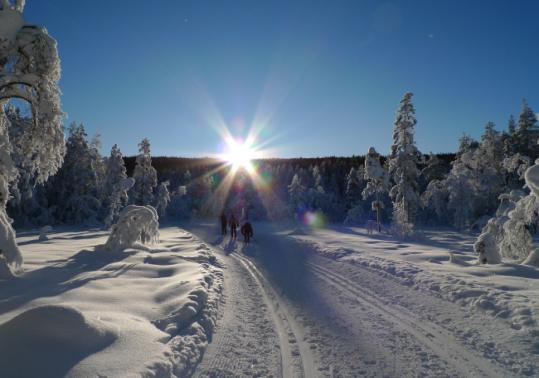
x=290, y=312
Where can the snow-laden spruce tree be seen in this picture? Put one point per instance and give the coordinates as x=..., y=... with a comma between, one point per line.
x=296, y=195
x=355, y=184
x=22, y=203
x=145, y=176
x=162, y=199
x=115, y=195
x=403, y=170
x=30, y=71
x=377, y=183
x=76, y=184
x=434, y=169
x=460, y=184
x=527, y=131
x=489, y=172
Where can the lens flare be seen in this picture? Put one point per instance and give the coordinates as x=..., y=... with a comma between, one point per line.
x=315, y=219
x=239, y=154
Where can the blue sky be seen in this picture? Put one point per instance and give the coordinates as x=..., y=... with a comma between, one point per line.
x=325, y=76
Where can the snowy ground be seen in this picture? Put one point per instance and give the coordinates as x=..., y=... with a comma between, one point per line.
x=332, y=303
x=337, y=302
x=82, y=312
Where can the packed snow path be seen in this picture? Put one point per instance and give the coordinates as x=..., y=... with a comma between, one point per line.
x=290, y=312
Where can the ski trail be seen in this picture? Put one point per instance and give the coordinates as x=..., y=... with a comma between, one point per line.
x=435, y=338
x=245, y=342
x=249, y=294
x=302, y=360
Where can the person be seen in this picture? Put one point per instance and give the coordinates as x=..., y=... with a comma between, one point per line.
x=233, y=226
x=223, y=223
x=247, y=232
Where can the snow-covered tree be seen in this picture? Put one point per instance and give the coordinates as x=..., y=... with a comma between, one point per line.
x=517, y=240
x=145, y=176
x=186, y=178
x=76, y=184
x=22, y=203
x=460, y=186
x=115, y=195
x=403, y=169
x=377, y=182
x=514, y=167
x=163, y=198
x=488, y=170
x=434, y=169
x=353, y=194
x=29, y=70
x=434, y=199
x=354, y=186
x=527, y=131
x=296, y=194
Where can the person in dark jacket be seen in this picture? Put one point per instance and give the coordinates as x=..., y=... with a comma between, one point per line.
x=247, y=232
x=233, y=223
x=224, y=223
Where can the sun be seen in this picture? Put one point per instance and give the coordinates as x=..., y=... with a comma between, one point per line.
x=239, y=154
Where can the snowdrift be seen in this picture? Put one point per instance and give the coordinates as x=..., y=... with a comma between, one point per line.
x=84, y=311
x=48, y=341
x=445, y=266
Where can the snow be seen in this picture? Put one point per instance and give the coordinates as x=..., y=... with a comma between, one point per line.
x=506, y=290
x=11, y=23
x=43, y=231
x=354, y=305
x=79, y=311
x=136, y=224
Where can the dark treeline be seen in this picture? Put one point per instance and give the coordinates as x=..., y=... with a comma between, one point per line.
x=166, y=165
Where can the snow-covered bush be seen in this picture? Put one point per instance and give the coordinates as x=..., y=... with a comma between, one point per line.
x=135, y=225
x=487, y=244
x=43, y=231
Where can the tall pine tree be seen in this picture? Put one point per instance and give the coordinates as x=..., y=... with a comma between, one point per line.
x=145, y=176
x=403, y=168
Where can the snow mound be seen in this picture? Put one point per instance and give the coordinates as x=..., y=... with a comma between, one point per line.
x=96, y=312
x=50, y=339
x=136, y=224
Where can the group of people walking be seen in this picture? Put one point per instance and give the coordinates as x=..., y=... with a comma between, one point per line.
x=232, y=223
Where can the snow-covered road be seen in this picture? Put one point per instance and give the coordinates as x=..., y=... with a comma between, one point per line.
x=291, y=312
